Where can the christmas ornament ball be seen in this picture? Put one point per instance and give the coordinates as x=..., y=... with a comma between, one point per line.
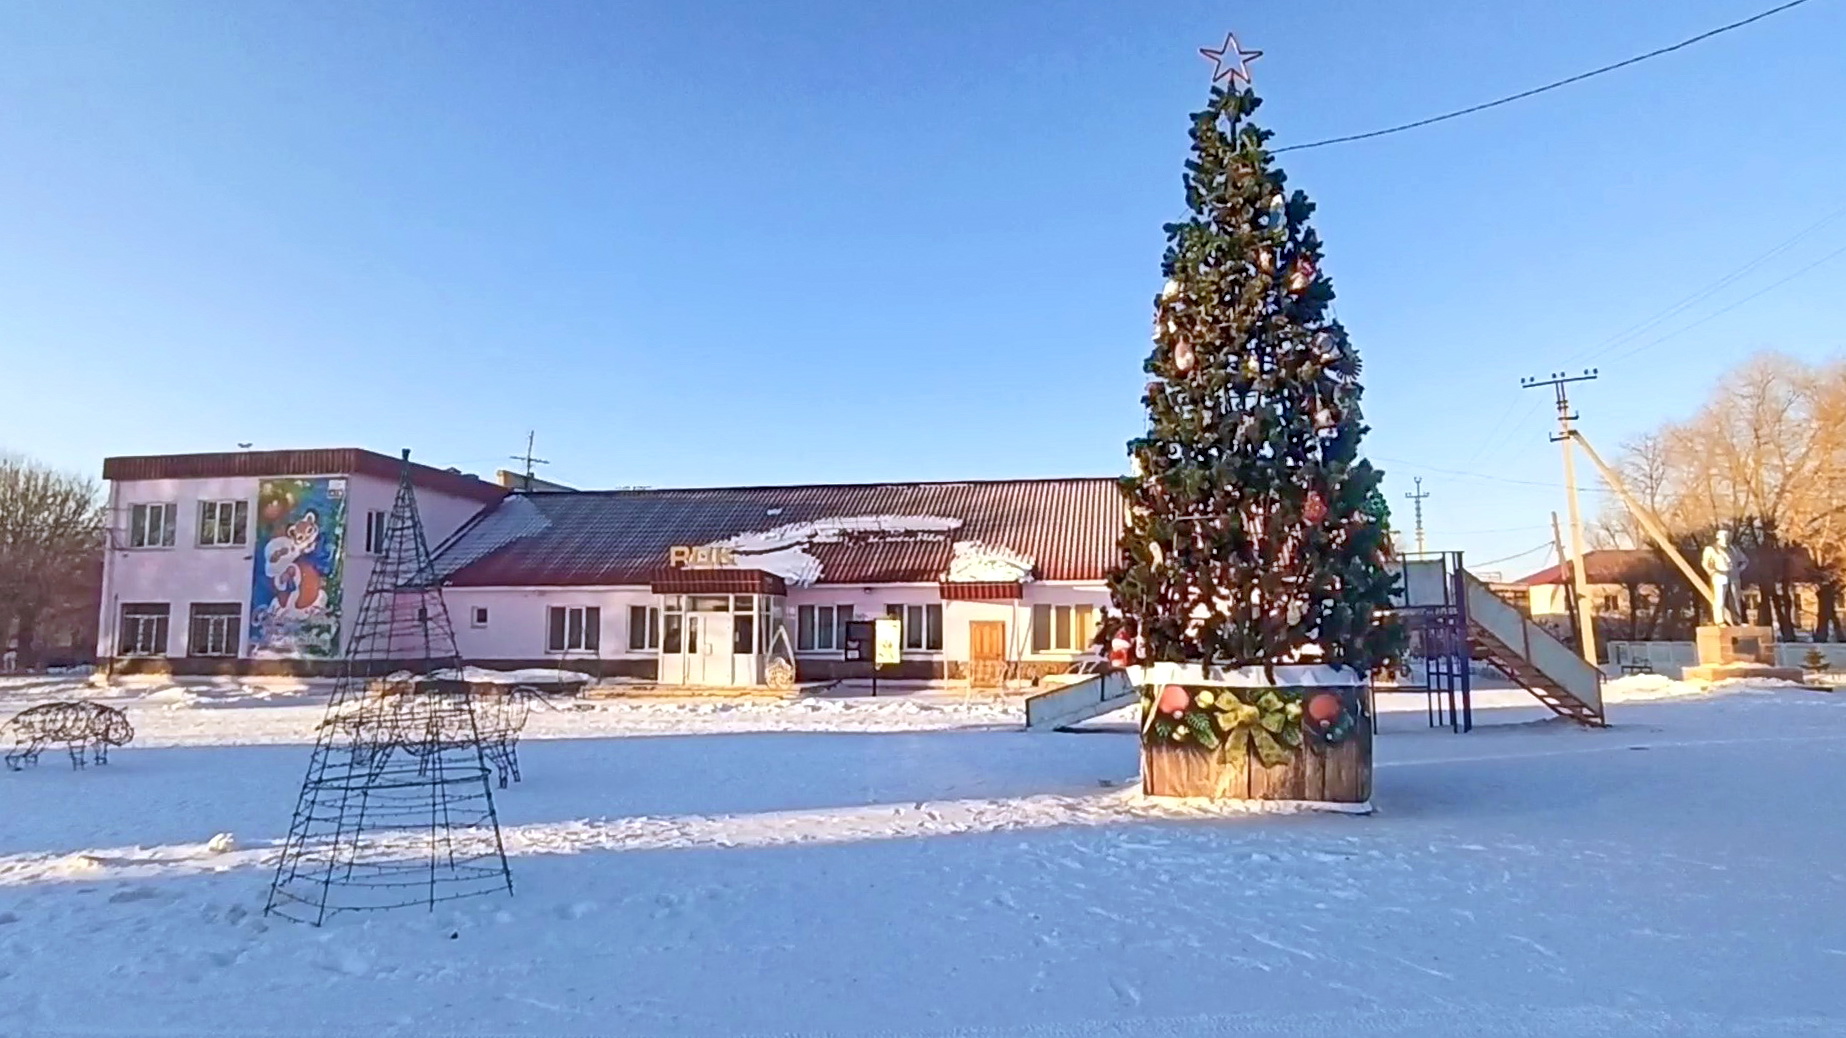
x=1184, y=357
x=1315, y=509
x=1173, y=700
x=1121, y=651
x=1170, y=289
x=1301, y=275
x=1278, y=212
x=1323, y=710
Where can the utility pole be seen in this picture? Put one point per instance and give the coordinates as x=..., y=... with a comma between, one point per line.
x=1586, y=617
x=1417, y=499
x=1570, y=597
x=531, y=435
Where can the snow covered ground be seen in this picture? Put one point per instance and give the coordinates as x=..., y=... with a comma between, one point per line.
x=918, y=866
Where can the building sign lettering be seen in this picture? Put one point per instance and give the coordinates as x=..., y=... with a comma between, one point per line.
x=702, y=557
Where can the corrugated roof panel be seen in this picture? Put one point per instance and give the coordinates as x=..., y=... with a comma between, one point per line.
x=1068, y=526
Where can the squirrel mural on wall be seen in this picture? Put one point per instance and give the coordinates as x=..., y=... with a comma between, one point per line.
x=300, y=590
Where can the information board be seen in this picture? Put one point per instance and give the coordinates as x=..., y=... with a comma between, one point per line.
x=890, y=641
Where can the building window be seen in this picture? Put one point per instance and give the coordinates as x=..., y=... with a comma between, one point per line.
x=643, y=628
x=574, y=628
x=215, y=628
x=922, y=626
x=223, y=523
x=376, y=523
x=1062, y=628
x=821, y=628
x=151, y=526
x=670, y=641
x=478, y=616
x=743, y=634
x=1611, y=604
x=144, y=628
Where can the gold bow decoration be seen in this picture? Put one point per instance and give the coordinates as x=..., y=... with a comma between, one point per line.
x=1272, y=723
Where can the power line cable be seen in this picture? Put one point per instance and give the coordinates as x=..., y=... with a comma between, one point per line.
x=1499, y=436
x=1634, y=331
x=1502, y=529
x=1481, y=475
x=1719, y=313
x=1509, y=558
x=1495, y=443
x=1522, y=95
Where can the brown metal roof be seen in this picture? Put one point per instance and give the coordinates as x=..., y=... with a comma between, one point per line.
x=328, y=461
x=982, y=591
x=1650, y=566
x=716, y=582
x=1069, y=527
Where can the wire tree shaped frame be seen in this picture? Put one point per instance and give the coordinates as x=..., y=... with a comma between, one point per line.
x=396, y=809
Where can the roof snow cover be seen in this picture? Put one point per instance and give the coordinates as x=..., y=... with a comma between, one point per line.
x=1011, y=530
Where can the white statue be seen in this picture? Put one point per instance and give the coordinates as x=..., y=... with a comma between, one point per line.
x=1723, y=563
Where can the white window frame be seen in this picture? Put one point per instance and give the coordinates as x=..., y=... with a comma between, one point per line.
x=148, y=627
x=477, y=616
x=649, y=629
x=1063, y=628
x=915, y=619
x=211, y=523
x=821, y=628
x=377, y=529
x=224, y=629
x=143, y=532
x=585, y=636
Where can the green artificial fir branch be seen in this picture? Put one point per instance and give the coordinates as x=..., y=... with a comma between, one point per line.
x=1256, y=534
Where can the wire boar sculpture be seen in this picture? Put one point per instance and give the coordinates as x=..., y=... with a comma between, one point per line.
x=399, y=721
x=502, y=716
x=86, y=730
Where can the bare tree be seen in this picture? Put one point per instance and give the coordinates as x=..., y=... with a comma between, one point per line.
x=1764, y=457
x=51, y=547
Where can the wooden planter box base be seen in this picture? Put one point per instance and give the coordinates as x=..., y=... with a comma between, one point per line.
x=1340, y=774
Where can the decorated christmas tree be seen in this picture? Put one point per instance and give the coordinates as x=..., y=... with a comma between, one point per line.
x=1257, y=535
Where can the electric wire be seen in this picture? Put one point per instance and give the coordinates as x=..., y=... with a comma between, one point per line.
x=1482, y=475
x=1509, y=558
x=1522, y=95
x=1836, y=253
x=1634, y=331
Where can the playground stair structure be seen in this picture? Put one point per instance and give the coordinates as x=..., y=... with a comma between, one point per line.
x=1527, y=654
x=1452, y=607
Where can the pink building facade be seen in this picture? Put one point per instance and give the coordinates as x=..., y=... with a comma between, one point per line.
x=251, y=563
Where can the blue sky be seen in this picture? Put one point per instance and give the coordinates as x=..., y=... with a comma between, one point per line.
x=722, y=242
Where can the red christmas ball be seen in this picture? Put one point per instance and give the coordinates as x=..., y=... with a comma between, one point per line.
x=1301, y=275
x=1174, y=700
x=1121, y=649
x=1315, y=509
x=1323, y=711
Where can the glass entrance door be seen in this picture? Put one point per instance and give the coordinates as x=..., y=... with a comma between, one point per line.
x=708, y=658
x=713, y=640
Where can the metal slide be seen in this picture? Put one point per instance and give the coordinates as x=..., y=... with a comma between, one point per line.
x=1078, y=701
x=1528, y=654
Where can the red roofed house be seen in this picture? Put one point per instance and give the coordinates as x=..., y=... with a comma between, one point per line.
x=696, y=587
x=1637, y=594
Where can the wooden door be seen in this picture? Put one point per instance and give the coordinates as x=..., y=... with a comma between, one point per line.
x=986, y=652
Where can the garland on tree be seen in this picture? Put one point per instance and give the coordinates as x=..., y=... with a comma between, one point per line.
x=1257, y=534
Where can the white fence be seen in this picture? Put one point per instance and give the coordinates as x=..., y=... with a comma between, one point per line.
x=1672, y=658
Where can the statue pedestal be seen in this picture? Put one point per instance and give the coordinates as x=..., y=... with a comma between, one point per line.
x=1728, y=651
